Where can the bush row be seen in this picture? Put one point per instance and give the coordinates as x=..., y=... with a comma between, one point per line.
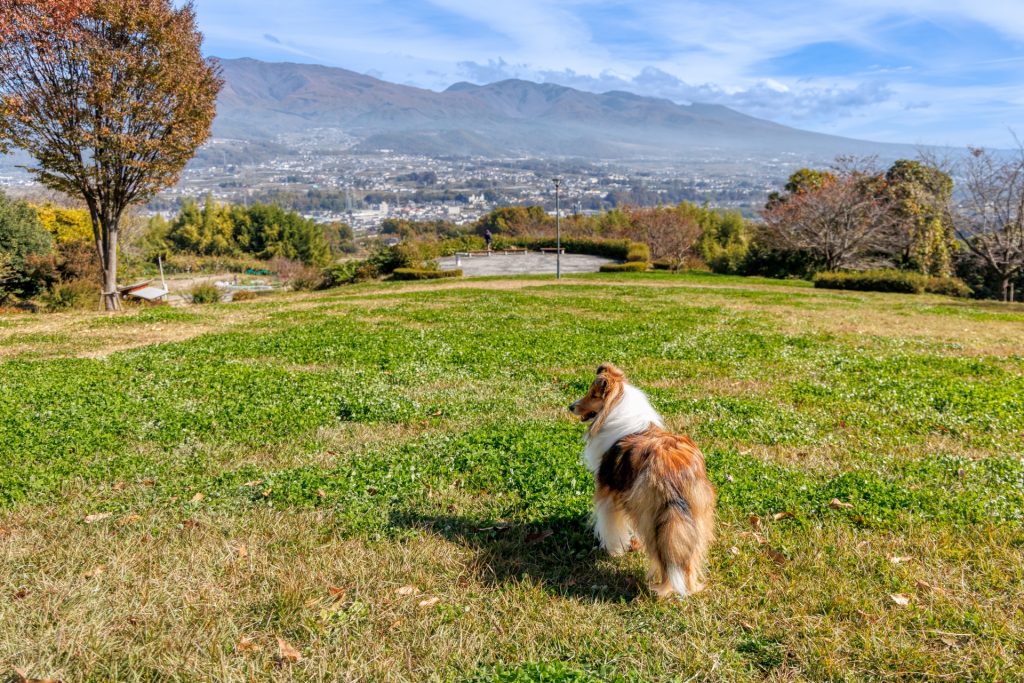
x=891, y=281
x=627, y=267
x=424, y=274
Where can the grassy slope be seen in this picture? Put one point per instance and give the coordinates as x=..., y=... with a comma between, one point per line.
x=383, y=436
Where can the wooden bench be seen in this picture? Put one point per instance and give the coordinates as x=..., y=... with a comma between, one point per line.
x=552, y=250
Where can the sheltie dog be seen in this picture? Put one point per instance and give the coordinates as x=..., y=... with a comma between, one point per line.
x=651, y=484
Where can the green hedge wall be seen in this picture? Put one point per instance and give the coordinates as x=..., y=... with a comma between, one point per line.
x=627, y=267
x=423, y=274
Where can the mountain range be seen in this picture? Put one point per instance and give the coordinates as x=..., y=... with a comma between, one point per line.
x=262, y=101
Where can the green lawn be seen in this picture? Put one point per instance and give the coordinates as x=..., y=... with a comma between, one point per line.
x=385, y=477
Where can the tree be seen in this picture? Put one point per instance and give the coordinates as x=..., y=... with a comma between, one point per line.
x=990, y=219
x=840, y=220
x=670, y=232
x=920, y=195
x=111, y=99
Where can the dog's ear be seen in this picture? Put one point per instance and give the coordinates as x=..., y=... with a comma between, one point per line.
x=609, y=370
x=600, y=386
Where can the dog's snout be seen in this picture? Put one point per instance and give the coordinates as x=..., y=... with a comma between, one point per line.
x=572, y=407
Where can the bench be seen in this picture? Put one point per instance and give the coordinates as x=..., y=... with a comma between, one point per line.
x=553, y=250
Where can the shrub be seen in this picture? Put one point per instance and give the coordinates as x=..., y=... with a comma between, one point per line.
x=205, y=293
x=249, y=294
x=873, y=281
x=949, y=286
x=423, y=274
x=306, y=279
x=340, y=274
x=638, y=251
x=665, y=264
x=79, y=294
x=627, y=267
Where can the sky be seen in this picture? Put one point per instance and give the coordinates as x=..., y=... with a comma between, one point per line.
x=938, y=72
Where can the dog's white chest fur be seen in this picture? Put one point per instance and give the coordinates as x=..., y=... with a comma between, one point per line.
x=632, y=414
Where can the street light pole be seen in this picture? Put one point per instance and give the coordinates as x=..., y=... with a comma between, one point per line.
x=558, y=230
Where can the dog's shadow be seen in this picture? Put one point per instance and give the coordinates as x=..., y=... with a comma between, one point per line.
x=558, y=554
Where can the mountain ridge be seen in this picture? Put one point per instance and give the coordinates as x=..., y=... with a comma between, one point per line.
x=264, y=100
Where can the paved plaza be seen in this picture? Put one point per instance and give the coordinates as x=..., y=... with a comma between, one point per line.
x=528, y=263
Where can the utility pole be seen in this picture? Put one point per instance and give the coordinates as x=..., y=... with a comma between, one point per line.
x=558, y=230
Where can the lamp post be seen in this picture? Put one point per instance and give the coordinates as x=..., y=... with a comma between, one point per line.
x=558, y=230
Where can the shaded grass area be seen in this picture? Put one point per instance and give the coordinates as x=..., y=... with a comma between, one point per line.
x=419, y=438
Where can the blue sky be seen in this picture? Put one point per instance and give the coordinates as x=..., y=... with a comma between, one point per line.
x=914, y=71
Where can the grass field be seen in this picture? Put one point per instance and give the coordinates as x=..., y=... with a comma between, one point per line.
x=385, y=478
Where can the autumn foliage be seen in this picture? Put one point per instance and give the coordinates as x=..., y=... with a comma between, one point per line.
x=110, y=97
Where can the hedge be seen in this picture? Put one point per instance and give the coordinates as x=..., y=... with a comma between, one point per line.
x=620, y=250
x=423, y=274
x=949, y=286
x=627, y=267
x=873, y=281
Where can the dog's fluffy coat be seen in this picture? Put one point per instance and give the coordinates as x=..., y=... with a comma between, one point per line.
x=651, y=484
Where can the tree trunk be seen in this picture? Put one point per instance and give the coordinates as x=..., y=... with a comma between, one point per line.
x=111, y=302
x=1006, y=290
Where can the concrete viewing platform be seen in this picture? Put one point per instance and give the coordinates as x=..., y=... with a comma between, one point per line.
x=527, y=263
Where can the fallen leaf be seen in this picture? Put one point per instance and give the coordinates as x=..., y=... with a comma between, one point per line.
x=436, y=413
x=246, y=644
x=755, y=521
x=901, y=560
x=337, y=593
x=287, y=653
x=779, y=516
x=198, y=498
x=961, y=473
x=949, y=642
x=408, y=590
x=267, y=492
x=429, y=602
x=837, y=504
x=539, y=536
x=119, y=486
x=900, y=599
x=371, y=490
x=747, y=626
x=396, y=624
x=97, y=517
x=148, y=482
x=129, y=519
x=734, y=550
x=777, y=557
x=243, y=551
x=321, y=493
x=255, y=482
x=94, y=572
x=20, y=594
x=191, y=524
x=923, y=585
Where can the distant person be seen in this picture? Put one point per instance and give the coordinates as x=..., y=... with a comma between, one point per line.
x=487, y=239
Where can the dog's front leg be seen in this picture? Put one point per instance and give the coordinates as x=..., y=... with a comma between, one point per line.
x=611, y=524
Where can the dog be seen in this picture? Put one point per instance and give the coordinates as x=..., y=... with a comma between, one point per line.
x=650, y=484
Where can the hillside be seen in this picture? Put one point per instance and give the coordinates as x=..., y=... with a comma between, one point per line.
x=261, y=100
